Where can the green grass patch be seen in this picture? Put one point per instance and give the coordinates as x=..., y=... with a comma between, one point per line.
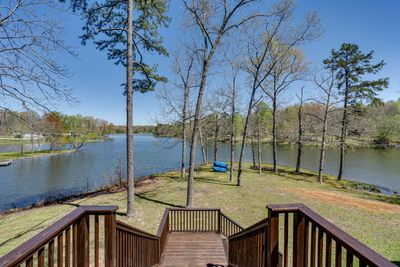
x=375, y=223
x=17, y=155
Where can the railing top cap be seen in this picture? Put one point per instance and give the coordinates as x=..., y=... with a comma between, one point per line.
x=285, y=207
x=98, y=209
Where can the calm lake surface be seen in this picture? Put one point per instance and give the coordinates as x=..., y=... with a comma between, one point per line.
x=32, y=180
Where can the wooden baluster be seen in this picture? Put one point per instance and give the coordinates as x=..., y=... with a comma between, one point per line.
x=313, y=242
x=306, y=242
x=349, y=259
x=75, y=245
x=286, y=241
x=110, y=240
x=362, y=264
x=96, y=241
x=338, y=255
x=41, y=257
x=68, y=246
x=219, y=222
x=272, y=238
x=29, y=262
x=60, y=250
x=320, y=246
x=50, y=254
x=83, y=241
x=328, y=252
x=298, y=239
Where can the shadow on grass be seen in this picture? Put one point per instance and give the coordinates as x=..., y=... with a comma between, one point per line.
x=31, y=229
x=396, y=263
x=150, y=196
x=212, y=181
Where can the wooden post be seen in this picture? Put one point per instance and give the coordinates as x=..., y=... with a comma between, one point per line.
x=83, y=241
x=110, y=240
x=272, y=238
x=219, y=221
x=299, y=232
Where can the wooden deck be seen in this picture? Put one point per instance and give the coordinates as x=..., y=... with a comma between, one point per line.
x=194, y=249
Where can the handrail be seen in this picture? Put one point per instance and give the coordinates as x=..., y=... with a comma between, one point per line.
x=163, y=231
x=251, y=228
x=20, y=253
x=195, y=209
x=164, y=220
x=129, y=228
x=231, y=220
x=364, y=253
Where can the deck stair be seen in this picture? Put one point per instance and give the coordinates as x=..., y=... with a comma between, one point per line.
x=91, y=236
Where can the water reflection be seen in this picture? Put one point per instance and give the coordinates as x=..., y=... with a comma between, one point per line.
x=34, y=179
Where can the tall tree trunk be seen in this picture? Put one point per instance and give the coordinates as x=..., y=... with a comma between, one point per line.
x=184, y=118
x=203, y=147
x=259, y=145
x=216, y=132
x=343, y=132
x=232, y=129
x=275, y=167
x=129, y=113
x=322, y=153
x=193, y=145
x=253, y=152
x=300, y=137
x=246, y=124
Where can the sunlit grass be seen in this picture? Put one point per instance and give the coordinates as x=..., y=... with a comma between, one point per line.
x=375, y=223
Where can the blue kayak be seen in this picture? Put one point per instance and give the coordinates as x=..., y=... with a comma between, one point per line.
x=219, y=169
x=220, y=164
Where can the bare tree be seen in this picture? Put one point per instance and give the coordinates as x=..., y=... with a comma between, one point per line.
x=290, y=68
x=268, y=45
x=30, y=76
x=326, y=84
x=212, y=20
x=217, y=106
x=300, y=130
x=176, y=107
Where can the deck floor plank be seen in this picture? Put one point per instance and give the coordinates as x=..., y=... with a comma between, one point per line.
x=194, y=249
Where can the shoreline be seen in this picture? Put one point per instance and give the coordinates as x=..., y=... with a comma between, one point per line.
x=36, y=154
x=352, y=144
x=111, y=189
x=369, y=190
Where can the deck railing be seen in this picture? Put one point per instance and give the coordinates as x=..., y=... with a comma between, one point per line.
x=67, y=242
x=91, y=235
x=247, y=248
x=310, y=240
x=202, y=220
x=136, y=247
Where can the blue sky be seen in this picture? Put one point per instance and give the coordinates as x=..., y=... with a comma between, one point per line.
x=373, y=25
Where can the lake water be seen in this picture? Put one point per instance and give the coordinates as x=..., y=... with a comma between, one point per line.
x=32, y=180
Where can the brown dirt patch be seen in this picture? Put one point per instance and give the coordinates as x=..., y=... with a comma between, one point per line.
x=345, y=200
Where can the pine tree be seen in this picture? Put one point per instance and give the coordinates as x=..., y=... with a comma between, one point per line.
x=127, y=30
x=350, y=66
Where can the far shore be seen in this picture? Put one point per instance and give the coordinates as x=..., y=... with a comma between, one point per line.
x=5, y=156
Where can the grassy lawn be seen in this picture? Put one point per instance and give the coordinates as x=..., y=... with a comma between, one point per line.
x=375, y=223
x=17, y=155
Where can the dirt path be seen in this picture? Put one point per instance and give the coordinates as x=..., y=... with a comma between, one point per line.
x=345, y=200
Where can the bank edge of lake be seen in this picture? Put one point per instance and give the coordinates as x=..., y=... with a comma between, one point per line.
x=5, y=156
x=364, y=190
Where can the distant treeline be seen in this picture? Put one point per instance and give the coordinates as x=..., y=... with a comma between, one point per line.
x=375, y=124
